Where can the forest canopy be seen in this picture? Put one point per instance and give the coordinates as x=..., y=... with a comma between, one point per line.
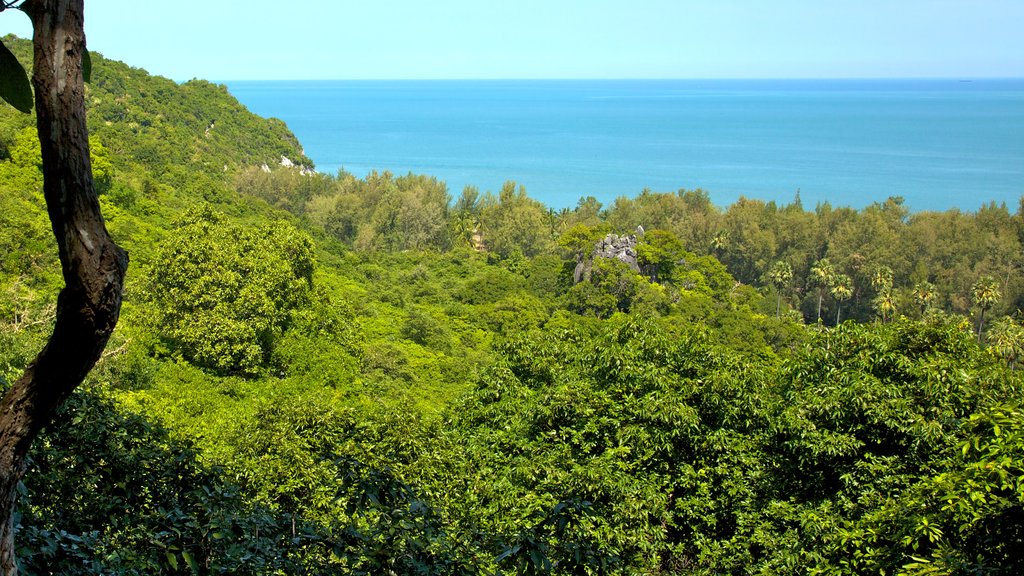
x=332, y=373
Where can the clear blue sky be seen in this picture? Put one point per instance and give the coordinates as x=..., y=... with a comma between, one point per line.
x=364, y=39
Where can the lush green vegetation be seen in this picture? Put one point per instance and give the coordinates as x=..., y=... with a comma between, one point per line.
x=331, y=374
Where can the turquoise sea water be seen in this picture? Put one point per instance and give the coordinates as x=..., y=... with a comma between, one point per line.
x=938, y=143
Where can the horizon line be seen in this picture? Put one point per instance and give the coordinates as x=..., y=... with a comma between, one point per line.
x=963, y=79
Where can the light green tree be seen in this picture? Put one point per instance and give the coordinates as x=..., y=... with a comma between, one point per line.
x=780, y=275
x=885, y=304
x=223, y=293
x=985, y=293
x=881, y=278
x=925, y=294
x=720, y=242
x=411, y=214
x=516, y=224
x=822, y=273
x=885, y=299
x=841, y=290
x=1006, y=341
x=579, y=240
x=465, y=217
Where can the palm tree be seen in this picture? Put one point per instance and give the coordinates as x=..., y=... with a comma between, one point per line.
x=885, y=301
x=841, y=290
x=1006, y=341
x=780, y=275
x=885, y=304
x=986, y=295
x=821, y=277
x=925, y=294
x=463, y=226
x=720, y=242
x=881, y=278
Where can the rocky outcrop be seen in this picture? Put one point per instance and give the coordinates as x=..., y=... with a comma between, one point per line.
x=621, y=248
x=582, y=268
x=287, y=162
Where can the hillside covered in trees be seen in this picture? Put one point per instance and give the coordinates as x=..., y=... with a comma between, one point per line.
x=320, y=374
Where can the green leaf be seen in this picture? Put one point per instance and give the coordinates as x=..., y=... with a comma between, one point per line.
x=190, y=561
x=14, y=85
x=172, y=560
x=86, y=66
x=508, y=552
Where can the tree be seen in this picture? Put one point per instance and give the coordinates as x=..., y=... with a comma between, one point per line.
x=659, y=254
x=410, y=214
x=224, y=294
x=821, y=278
x=517, y=224
x=1006, y=341
x=985, y=293
x=780, y=275
x=720, y=243
x=885, y=303
x=842, y=290
x=579, y=241
x=753, y=242
x=885, y=300
x=93, y=266
x=881, y=278
x=924, y=295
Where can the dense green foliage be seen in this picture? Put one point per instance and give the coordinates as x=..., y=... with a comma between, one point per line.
x=224, y=293
x=693, y=458
x=327, y=374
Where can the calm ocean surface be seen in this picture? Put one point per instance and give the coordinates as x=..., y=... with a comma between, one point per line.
x=938, y=143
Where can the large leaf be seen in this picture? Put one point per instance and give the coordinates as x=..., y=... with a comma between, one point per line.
x=14, y=85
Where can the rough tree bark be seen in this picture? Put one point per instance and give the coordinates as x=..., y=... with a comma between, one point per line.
x=93, y=265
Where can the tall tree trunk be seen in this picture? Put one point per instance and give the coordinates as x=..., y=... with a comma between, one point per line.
x=93, y=265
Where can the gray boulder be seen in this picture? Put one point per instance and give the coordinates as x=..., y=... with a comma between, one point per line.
x=612, y=246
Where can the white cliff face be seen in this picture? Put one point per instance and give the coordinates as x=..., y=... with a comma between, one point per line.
x=286, y=162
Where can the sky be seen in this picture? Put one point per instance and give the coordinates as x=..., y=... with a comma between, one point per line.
x=536, y=39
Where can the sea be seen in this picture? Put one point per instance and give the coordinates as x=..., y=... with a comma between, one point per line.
x=937, y=143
